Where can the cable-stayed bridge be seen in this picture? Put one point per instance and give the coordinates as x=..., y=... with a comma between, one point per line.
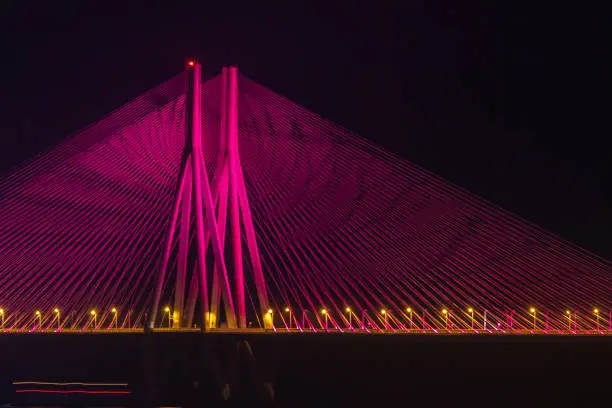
x=220, y=205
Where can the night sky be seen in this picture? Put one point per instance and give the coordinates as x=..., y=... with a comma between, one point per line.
x=511, y=103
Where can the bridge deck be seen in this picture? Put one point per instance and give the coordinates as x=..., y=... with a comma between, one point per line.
x=284, y=331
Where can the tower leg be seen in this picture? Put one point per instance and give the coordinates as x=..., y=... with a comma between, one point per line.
x=168, y=249
x=217, y=189
x=252, y=246
x=232, y=127
x=194, y=123
x=230, y=314
x=222, y=216
x=181, y=275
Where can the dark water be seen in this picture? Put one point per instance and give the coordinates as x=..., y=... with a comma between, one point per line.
x=190, y=369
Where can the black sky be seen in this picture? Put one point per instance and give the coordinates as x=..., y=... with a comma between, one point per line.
x=509, y=102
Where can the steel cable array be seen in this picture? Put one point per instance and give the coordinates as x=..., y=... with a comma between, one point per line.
x=340, y=223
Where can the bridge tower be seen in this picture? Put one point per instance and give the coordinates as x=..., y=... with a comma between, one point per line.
x=207, y=205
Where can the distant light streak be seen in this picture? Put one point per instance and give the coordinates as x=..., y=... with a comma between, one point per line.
x=70, y=383
x=75, y=392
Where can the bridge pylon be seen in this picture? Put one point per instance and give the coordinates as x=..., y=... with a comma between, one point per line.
x=207, y=205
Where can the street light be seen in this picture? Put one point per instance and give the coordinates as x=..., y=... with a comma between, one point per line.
x=445, y=313
x=2, y=317
x=384, y=313
x=471, y=312
x=350, y=314
x=569, y=319
x=289, y=311
x=39, y=316
x=95, y=318
x=324, y=313
x=409, y=311
x=167, y=310
x=115, y=318
x=57, y=312
x=533, y=311
x=596, y=311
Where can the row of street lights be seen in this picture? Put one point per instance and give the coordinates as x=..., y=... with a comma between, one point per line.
x=446, y=314
x=326, y=316
x=38, y=315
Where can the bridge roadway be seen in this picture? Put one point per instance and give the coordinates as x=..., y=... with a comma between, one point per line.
x=285, y=331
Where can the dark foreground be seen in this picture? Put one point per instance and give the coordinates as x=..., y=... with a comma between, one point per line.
x=192, y=369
